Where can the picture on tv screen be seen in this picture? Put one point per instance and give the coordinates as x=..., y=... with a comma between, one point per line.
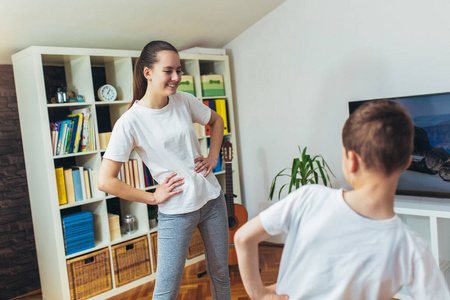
x=429, y=173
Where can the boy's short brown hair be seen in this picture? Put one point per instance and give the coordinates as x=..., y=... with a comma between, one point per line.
x=382, y=133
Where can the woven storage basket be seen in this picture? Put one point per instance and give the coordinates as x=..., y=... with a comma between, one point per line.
x=196, y=247
x=89, y=275
x=131, y=260
x=154, y=241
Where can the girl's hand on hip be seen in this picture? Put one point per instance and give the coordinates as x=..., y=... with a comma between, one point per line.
x=166, y=189
x=205, y=163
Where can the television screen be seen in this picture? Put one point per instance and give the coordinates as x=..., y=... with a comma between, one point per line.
x=429, y=173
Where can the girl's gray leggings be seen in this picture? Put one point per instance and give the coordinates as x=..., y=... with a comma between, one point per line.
x=174, y=236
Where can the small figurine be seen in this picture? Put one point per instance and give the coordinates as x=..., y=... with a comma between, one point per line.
x=80, y=98
x=71, y=96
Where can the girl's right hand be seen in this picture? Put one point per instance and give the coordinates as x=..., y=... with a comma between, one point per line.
x=166, y=189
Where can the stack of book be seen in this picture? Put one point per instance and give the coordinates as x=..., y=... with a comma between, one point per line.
x=114, y=227
x=78, y=231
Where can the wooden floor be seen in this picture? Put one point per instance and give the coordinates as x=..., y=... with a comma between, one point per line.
x=195, y=288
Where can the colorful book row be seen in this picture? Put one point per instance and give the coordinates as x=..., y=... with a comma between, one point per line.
x=129, y=173
x=220, y=107
x=75, y=184
x=148, y=179
x=73, y=135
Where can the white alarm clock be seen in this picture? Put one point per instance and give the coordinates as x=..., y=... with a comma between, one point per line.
x=107, y=93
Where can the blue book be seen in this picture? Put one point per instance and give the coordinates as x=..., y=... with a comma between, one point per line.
x=77, y=185
x=218, y=168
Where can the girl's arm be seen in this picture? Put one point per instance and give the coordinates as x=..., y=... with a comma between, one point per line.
x=210, y=162
x=109, y=183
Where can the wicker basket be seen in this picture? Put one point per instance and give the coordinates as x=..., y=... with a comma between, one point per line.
x=196, y=247
x=131, y=260
x=89, y=275
x=154, y=241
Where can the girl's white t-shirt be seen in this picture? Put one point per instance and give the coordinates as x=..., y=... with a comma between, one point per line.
x=166, y=142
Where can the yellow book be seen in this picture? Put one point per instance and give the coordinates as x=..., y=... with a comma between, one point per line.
x=127, y=173
x=70, y=190
x=136, y=173
x=221, y=108
x=62, y=198
x=87, y=184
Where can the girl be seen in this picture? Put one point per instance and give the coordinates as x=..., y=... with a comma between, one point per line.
x=158, y=126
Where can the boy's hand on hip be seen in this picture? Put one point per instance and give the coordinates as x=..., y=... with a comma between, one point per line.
x=166, y=189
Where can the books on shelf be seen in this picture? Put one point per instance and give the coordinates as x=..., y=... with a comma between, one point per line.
x=220, y=107
x=77, y=183
x=148, y=179
x=75, y=134
x=129, y=173
x=78, y=229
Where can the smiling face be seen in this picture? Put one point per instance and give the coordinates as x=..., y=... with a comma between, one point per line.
x=165, y=76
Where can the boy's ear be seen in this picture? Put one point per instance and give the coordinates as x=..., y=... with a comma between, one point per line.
x=354, y=161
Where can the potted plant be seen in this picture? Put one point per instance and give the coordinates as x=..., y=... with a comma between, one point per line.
x=305, y=169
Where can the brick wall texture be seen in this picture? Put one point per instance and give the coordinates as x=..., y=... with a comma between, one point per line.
x=19, y=272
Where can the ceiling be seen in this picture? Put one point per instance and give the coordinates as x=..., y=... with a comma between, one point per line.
x=129, y=25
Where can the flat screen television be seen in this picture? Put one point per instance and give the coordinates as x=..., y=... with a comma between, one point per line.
x=429, y=173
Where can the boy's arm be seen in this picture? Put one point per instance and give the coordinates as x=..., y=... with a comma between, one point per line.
x=246, y=241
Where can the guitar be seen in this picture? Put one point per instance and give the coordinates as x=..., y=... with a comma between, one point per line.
x=237, y=214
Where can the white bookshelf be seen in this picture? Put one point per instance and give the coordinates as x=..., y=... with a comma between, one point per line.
x=35, y=112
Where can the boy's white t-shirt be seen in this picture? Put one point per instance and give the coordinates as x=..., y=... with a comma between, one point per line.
x=331, y=252
x=166, y=142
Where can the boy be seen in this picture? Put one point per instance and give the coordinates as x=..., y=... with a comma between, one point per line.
x=348, y=244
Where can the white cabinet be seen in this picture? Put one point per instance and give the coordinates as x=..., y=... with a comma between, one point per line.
x=430, y=217
x=78, y=73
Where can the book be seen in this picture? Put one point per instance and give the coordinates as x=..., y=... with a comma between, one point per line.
x=81, y=174
x=93, y=183
x=68, y=181
x=77, y=120
x=221, y=109
x=199, y=130
x=207, y=127
x=60, y=185
x=77, y=185
x=127, y=173
x=86, y=128
x=136, y=173
x=87, y=184
x=54, y=136
x=61, y=125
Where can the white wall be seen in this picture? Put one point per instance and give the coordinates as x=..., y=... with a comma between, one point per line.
x=296, y=69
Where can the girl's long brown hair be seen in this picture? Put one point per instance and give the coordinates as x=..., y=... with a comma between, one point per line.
x=148, y=57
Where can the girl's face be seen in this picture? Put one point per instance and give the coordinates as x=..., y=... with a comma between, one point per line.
x=165, y=76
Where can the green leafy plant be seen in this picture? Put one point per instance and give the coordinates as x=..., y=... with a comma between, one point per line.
x=305, y=169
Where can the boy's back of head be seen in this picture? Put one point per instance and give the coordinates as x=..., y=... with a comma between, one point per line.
x=381, y=132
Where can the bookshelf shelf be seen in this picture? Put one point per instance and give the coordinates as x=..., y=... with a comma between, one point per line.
x=38, y=72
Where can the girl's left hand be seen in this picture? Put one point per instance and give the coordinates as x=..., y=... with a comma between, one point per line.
x=203, y=163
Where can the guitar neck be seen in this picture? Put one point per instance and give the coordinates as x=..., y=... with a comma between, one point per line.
x=229, y=189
